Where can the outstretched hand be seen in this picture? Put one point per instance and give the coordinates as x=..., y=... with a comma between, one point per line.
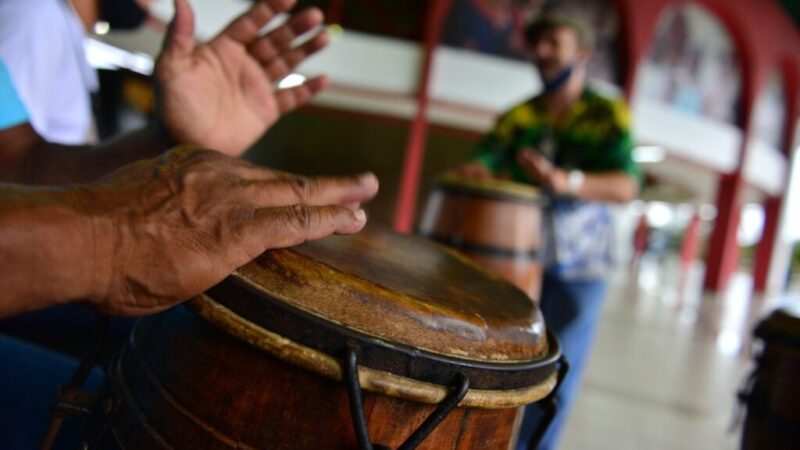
x=220, y=94
x=178, y=224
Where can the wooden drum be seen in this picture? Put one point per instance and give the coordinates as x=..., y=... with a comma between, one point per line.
x=375, y=338
x=497, y=223
x=773, y=407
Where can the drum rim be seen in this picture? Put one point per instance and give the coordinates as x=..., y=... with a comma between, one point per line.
x=492, y=189
x=253, y=305
x=376, y=380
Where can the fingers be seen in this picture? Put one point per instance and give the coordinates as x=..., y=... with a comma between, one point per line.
x=291, y=98
x=292, y=225
x=279, y=67
x=348, y=191
x=536, y=164
x=474, y=171
x=180, y=36
x=270, y=46
x=245, y=28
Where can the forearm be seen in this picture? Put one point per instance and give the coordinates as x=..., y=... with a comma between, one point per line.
x=615, y=187
x=49, y=251
x=48, y=163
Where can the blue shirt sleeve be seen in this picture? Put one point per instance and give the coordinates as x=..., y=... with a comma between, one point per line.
x=12, y=112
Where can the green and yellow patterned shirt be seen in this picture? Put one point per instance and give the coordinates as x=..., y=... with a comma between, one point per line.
x=593, y=136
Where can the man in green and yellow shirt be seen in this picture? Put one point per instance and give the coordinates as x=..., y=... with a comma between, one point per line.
x=576, y=145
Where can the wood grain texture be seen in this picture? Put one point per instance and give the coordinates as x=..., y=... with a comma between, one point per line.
x=506, y=224
x=405, y=290
x=188, y=385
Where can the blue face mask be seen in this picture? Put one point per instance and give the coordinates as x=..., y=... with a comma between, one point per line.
x=558, y=81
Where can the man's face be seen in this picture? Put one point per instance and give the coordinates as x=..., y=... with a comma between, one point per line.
x=556, y=50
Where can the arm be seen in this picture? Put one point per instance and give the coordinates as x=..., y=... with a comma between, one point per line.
x=614, y=186
x=160, y=231
x=28, y=159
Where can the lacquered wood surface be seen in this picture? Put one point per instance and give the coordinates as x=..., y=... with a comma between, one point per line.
x=188, y=385
x=406, y=290
x=503, y=233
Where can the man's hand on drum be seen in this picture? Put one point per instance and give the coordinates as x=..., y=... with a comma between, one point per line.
x=543, y=171
x=220, y=95
x=474, y=171
x=161, y=231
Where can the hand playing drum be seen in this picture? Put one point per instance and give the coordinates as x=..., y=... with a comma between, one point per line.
x=160, y=231
x=375, y=340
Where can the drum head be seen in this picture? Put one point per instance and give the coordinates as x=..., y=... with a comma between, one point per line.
x=491, y=188
x=416, y=309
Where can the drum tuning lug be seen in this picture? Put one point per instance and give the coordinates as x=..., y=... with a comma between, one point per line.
x=458, y=391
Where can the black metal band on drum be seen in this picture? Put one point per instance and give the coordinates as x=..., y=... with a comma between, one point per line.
x=398, y=359
x=458, y=390
x=468, y=246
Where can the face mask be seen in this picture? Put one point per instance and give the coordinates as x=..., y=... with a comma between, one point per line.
x=559, y=80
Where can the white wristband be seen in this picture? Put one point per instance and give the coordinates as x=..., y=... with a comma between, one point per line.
x=575, y=180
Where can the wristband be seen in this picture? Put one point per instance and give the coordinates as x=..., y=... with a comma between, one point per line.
x=575, y=180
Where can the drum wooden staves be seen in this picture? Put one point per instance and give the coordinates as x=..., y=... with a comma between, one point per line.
x=257, y=362
x=498, y=223
x=772, y=396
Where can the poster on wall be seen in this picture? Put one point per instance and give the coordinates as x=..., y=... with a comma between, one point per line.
x=693, y=66
x=497, y=27
x=770, y=113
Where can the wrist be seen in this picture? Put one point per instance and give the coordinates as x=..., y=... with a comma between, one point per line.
x=575, y=180
x=97, y=238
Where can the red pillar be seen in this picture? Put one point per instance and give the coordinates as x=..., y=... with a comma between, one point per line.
x=773, y=205
x=691, y=242
x=723, y=250
x=415, y=149
x=772, y=212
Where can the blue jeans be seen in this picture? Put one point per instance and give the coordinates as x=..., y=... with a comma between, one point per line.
x=571, y=309
x=29, y=378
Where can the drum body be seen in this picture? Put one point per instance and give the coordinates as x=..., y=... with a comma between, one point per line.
x=497, y=223
x=260, y=360
x=773, y=407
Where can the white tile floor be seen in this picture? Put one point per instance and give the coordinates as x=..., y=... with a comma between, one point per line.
x=666, y=364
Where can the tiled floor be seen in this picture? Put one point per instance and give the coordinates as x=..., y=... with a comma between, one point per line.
x=666, y=365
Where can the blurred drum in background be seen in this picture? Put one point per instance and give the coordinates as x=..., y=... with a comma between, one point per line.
x=772, y=394
x=376, y=340
x=497, y=223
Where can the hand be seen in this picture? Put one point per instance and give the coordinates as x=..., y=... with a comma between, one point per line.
x=220, y=95
x=544, y=172
x=171, y=227
x=473, y=171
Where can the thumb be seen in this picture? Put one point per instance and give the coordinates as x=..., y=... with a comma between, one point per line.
x=180, y=35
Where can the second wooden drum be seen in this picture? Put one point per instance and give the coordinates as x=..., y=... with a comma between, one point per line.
x=369, y=341
x=497, y=223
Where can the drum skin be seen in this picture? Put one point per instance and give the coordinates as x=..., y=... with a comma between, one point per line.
x=255, y=362
x=773, y=403
x=497, y=223
x=195, y=387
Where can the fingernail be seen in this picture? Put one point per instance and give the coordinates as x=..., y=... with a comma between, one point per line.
x=368, y=179
x=360, y=214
